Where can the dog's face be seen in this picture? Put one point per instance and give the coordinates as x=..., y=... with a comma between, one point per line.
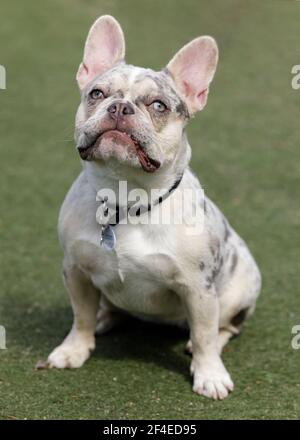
x=134, y=115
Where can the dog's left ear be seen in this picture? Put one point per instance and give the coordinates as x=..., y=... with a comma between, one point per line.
x=193, y=68
x=104, y=47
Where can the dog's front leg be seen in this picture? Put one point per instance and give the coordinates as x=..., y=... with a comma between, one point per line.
x=80, y=342
x=211, y=378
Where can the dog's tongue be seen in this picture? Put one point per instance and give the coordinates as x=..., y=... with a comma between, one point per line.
x=148, y=164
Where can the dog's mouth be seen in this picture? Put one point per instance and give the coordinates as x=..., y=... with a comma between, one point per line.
x=125, y=140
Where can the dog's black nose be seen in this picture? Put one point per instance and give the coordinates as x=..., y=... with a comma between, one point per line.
x=120, y=109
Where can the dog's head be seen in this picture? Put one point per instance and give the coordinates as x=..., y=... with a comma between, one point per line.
x=136, y=116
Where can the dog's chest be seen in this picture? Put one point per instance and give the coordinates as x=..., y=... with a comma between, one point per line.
x=137, y=276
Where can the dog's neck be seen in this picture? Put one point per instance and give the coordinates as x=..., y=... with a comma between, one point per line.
x=103, y=175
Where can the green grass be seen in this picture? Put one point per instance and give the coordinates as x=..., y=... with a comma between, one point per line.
x=247, y=154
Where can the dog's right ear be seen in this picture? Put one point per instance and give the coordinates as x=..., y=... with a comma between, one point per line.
x=193, y=69
x=104, y=47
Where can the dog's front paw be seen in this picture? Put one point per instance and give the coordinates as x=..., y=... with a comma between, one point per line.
x=71, y=353
x=211, y=378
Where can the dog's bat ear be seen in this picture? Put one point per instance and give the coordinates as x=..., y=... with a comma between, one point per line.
x=193, y=68
x=104, y=47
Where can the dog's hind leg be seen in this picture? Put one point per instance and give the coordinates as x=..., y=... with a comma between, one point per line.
x=108, y=317
x=107, y=320
x=225, y=334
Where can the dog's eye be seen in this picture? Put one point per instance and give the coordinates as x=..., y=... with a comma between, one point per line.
x=159, y=106
x=96, y=94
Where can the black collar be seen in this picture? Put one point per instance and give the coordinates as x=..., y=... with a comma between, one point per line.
x=142, y=210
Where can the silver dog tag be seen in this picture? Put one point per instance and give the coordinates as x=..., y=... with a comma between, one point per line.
x=108, y=238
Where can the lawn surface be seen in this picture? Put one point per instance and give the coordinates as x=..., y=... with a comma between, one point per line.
x=245, y=150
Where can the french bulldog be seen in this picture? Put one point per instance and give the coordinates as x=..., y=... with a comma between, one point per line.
x=131, y=127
